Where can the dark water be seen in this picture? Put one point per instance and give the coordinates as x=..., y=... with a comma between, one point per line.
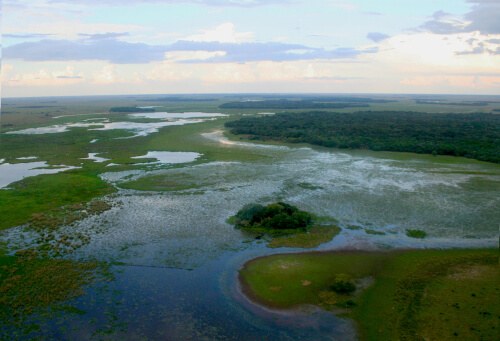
x=152, y=303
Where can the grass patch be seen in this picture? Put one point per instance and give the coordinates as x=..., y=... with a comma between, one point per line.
x=44, y=193
x=315, y=236
x=354, y=227
x=375, y=232
x=417, y=295
x=416, y=233
x=31, y=285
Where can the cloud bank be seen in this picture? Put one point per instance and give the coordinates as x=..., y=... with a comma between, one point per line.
x=105, y=47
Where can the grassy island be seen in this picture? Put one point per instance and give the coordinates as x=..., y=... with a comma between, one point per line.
x=404, y=295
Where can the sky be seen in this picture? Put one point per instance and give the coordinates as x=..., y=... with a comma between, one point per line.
x=109, y=47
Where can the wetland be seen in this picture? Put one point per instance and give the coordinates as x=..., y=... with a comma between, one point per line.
x=146, y=197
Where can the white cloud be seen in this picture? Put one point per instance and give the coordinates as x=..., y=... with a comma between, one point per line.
x=424, y=52
x=105, y=76
x=224, y=33
x=199, y=56
x=42, y=77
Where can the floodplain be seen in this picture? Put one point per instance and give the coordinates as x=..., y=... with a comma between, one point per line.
x=147, y=196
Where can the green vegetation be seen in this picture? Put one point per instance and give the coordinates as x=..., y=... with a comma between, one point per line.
x=287, y=104
x=131, y=109
x=46, y=193
x=32, y=285
x=463, y=103
x=416, y=295
x=374, y=232
x=343, y=284
x=314, y=236
x=416, y=233
x=178, y=99
x=287, y=225
x=277, y=216
x=475, y=136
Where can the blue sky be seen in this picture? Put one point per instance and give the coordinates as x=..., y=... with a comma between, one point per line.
x=85, y=47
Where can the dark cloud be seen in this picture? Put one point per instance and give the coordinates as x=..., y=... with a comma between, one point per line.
x=377, y=36
x=100, y=36
x=219, y=3
x=120, y=52
x=493, y=41
x=483, y=17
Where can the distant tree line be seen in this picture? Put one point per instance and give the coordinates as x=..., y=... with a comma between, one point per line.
x=475, y=136
x=287, y=104
x=464, y=103
x=178, y=99
x=131, y=109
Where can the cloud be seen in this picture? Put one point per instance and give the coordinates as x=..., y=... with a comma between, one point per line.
x=26, y=36
x=121, y=52
x=334, y=78
x=42, y=77
x=219, y=3
x=110, y=50
x=483, y=17
x=224, y=33
x=377, y=36
x=100, y=36
x=480, y=48
x=270, y=51
x=69, y=77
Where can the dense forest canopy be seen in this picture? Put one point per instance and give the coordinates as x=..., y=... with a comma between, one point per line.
x=290, y=104
x=177, y=99
x=475, y=136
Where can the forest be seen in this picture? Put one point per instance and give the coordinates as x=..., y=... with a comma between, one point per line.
x=131, y=109
x=475, y=136
x=287, y=104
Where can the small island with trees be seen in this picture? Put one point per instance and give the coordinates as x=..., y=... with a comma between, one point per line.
x=286, y=224
x=277, y=216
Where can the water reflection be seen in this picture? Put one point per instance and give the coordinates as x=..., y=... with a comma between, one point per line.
x=10, y=173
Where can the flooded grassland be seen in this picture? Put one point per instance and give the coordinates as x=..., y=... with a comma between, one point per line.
x=167, y=184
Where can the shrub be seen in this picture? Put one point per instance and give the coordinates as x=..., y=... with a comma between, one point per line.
x=343, y=284
x=416, y=233
x=273, y=216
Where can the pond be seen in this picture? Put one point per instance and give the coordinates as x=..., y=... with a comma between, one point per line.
x=10, y=173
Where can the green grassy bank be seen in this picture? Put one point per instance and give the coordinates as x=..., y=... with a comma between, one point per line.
x=405, y=295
